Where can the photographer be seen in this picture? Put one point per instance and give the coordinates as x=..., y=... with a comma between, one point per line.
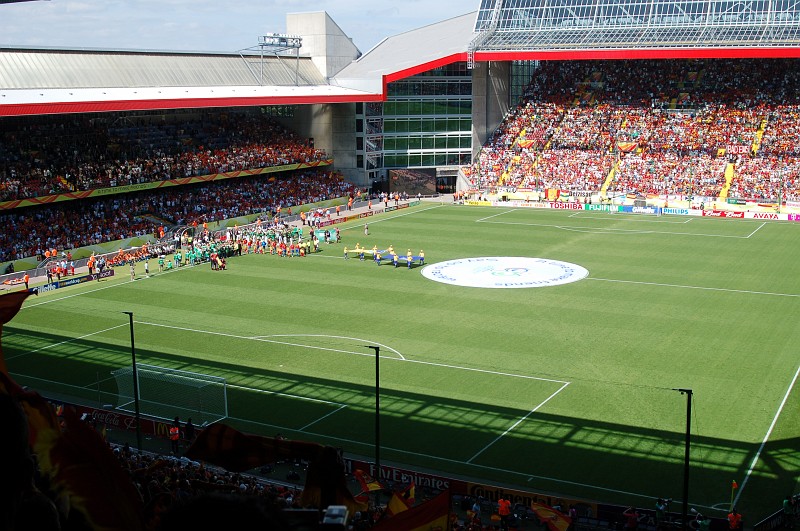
x=791, y=506
x=703, y=522
x=662, y=506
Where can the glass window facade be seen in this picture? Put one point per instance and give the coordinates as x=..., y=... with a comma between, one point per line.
x=521, y=75
x=281, y=111
x=426, y=121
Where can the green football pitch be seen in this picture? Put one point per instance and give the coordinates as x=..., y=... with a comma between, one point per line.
x=566, y=389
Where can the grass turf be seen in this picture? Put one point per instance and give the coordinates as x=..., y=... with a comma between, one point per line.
x=565, y=389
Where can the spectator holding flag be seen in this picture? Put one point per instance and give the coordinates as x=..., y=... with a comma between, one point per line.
x=734, y=519
x=734, y=486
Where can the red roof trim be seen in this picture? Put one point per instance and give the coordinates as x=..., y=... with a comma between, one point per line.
x=424, y=67
x=188, y=103
x=561, y=55
x=674, y=53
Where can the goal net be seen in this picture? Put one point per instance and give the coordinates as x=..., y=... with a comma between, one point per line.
x=168, y=393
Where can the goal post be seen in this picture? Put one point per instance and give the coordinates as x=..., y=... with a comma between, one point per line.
x=168, y=393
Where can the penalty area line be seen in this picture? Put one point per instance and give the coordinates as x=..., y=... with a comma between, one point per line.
x=757, y=229
x=767, y=436
x=66, y=341
x=323, y=417
x=517, y=423
x=494, y=216
x=264, y=340
x=285, y=395
x=355, y=339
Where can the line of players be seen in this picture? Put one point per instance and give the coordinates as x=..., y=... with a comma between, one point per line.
x=389, y=254
x=284, y=241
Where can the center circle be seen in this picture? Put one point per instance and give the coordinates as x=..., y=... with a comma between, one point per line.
x=504, y=272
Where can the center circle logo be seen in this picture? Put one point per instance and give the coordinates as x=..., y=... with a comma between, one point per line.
x=505, y=272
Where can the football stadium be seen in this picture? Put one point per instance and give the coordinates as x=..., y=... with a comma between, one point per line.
x=533, y=266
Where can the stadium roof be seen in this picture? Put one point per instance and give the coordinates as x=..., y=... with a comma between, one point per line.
x=637, y=28
x=38, y=81
x=410, y=53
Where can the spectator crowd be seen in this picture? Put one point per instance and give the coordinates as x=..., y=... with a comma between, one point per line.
x=74, y=224
x=51, y=155
x=651, y=127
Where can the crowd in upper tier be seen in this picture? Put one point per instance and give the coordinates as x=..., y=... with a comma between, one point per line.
x=682, y=127
x=50, y=155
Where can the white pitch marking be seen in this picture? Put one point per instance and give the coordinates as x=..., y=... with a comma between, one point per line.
x=444, y=365
x=632, y=217
x=494, y=215
x=277, y=393
x=757, y=229
x=749, y=292
x=323, y=417
x=766, y=437
x=325, y=335
x=485, y=371
x=115, y=285
x=517, y=423
x=371, y=221
x=256, y=338
x=608, y=230
x=66, y=341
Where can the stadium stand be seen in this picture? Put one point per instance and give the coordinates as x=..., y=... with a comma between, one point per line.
x=686, y=127
x=84, y=152
x=69, y=226
x=650, y=127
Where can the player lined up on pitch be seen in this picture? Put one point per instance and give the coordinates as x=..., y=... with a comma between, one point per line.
x=283, y=240
x=388, y=255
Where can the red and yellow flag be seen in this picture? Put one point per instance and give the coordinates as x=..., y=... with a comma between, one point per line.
x=555, y=519
x=401, y=501
x=367, y=482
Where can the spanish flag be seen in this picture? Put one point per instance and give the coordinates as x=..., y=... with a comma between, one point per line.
x=555, y=520
x=401, y=501
x=367, y=482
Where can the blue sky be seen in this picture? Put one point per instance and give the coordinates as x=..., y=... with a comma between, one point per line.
x=205, y=25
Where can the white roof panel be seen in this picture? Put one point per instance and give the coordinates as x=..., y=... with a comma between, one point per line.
x=57, y=69
x=411, y=49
